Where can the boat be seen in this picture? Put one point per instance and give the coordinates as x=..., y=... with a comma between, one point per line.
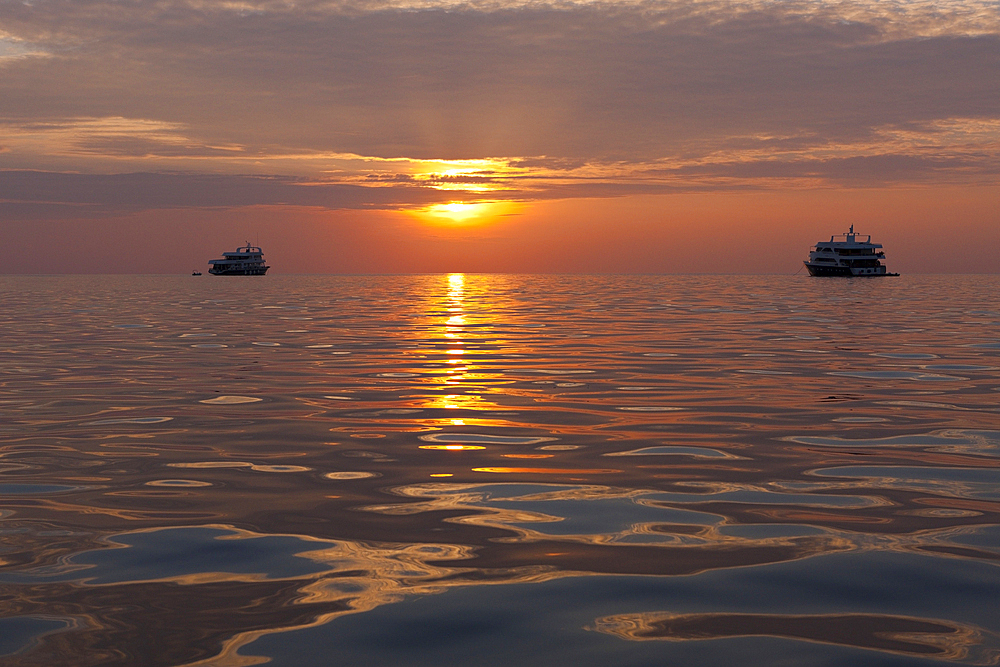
x=845, y=255
x=196, y=273
x=247, y=260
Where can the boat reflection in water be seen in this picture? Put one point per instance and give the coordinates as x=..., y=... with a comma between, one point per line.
x=495, y=470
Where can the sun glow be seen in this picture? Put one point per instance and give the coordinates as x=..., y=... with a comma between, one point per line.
x=466, y=213
x=458, y=212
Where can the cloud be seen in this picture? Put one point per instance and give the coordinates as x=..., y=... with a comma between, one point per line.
x=12, y=48
x=854, y=171
x=310, y=102
x=30, y=193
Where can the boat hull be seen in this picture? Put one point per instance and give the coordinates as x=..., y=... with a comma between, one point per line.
x=815, y=270
x=239, y=272
x=842, y=271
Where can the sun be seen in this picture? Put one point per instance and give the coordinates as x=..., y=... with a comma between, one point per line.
x=458, y=211
x=465, y=213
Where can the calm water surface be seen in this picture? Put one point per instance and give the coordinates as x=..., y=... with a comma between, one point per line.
x=495, y=470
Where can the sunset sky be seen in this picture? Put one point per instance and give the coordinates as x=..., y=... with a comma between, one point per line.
x=398, y=136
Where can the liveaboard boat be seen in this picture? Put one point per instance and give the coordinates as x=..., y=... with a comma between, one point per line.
x=247, y=260
x=845, y=255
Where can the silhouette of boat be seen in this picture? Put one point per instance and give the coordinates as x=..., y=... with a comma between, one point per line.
x=845, y=255
x=247, y=260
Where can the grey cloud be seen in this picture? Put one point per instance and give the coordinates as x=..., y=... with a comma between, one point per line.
x=545, y=162
x=143, y=147
x=40, y=195
x=576, y=82
x=857, y=170
x=33, y=193
x=405, y=178
x=36, y=194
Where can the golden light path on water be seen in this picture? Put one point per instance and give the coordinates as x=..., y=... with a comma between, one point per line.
x=595, y=470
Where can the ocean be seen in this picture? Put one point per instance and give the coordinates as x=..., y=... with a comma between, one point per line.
x=499, y=470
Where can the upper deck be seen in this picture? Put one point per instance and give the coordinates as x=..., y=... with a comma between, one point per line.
x=848, y=244
x=243, y=253
x=244, y=250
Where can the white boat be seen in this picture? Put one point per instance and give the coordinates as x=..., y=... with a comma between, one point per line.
x=845, y=255
x=248, y=260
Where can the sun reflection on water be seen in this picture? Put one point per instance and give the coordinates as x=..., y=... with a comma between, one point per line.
x=462, y=378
